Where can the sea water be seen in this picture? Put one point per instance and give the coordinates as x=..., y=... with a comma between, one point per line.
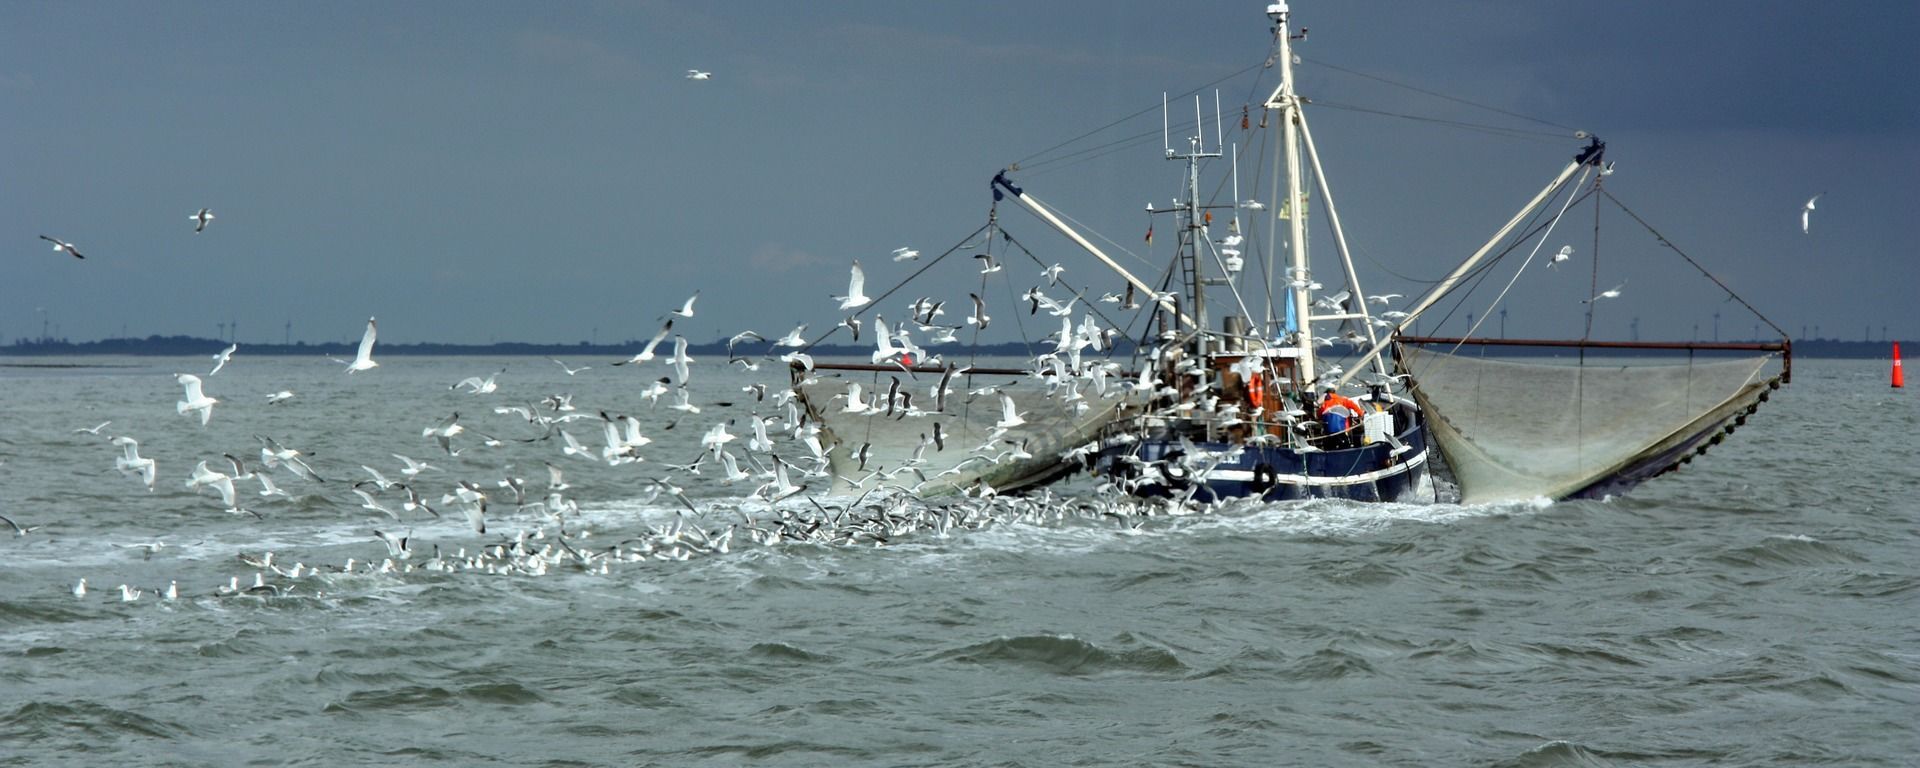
x=1757, y=607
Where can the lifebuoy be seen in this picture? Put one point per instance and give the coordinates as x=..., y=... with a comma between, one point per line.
x=1256, y=391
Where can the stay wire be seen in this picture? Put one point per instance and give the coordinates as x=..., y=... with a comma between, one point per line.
x=1696, y=265
x=902, y=284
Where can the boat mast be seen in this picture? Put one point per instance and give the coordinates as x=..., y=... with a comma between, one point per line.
x=1195, y=229
x=1299, y=276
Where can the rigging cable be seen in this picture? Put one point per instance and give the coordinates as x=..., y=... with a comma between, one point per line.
x=1696, y=265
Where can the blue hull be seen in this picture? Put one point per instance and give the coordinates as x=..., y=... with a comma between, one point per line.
x=1367, y=473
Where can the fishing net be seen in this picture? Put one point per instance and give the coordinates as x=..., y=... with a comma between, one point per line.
x=1519, y=428
x=973, y=454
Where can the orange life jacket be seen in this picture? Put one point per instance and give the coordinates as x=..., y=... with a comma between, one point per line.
x=1335, y=400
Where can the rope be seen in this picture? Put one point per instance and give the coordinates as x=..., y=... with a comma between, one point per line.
x=1027, y=161
x=1437, y=95
x=1696, y=265
x=902, y=284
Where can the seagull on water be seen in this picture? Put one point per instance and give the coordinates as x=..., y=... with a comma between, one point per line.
x=220, y=358
x=200, y=219
x=62, y=245
x=280, y=397
x=856, y=289
x=1806, y=216
x=195, y=399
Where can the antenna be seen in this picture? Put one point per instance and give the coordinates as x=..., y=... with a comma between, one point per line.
x=1219, y=137
x=1199, y=127
x=1166, y=131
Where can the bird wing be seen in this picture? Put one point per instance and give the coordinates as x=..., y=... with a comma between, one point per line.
x=857, y=281
x=192, y=385
x=365, y=354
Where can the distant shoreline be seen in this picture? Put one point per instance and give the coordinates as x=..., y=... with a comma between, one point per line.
x=168, y=346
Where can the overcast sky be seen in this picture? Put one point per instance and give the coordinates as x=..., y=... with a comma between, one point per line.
x=544, y=171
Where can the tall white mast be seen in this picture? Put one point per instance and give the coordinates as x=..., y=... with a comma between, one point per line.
x=1284, y=100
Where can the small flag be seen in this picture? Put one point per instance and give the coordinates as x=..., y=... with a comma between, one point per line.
x=1149, y=234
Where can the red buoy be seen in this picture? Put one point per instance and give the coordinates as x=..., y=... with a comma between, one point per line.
x=1899, y=379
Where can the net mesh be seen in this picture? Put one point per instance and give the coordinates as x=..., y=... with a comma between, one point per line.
x=1513, y=430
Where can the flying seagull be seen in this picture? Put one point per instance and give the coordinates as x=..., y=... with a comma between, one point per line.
x=221, y=358
x=1610, y=293
x=856, y=289
x=1566, y=252
x=195, y=400
x=1806, y=216
x=905, y=254
x=200, y=219
x=686, y=310
x=363, y=359
x=62, y=245
x=694, y=74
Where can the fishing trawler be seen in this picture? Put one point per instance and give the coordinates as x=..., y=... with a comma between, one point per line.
x=1311, y=395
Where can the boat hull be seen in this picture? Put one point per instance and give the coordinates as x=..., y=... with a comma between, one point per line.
x=1367, y=473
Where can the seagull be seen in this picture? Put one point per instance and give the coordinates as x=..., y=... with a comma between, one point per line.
x=363, y=359
x=62, y=245
x=792, y=339
x=646, y=353
x=686, y=310
x=1382, y=299
x=220, y=358
x=1009, y=418
x=1610, y=293
x=479, y=386
x=570, y=371
x=856, y=289
x=203, y=476
x=280, y=397
x=195, y=400
x=367, y=501
x=979, y=317
x=17, y=530
x=1806, y=215
x=94, y=430
x=444, y=431
x=396, y=545
x=200, y=219
x=987, y=264
x=131, y=464
x=905, y=254
x=1052, y=274
x=1566, y=252
x=694, y=74
x=413, y=467
x=680, y=360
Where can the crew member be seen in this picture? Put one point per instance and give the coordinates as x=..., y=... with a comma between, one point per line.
x=1340, y=414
